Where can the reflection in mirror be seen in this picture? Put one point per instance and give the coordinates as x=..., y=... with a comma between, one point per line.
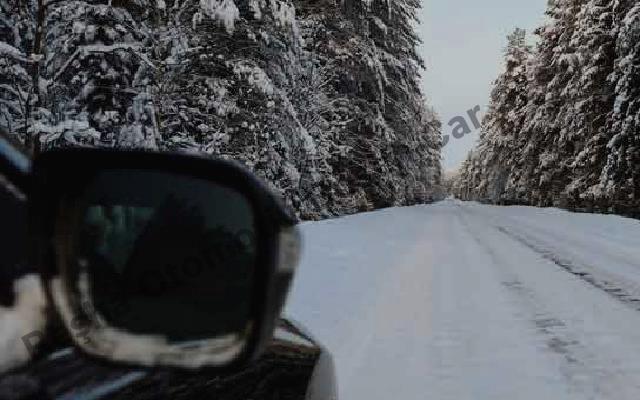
x=167, y=254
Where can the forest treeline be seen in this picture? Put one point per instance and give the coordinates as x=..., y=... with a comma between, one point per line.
x=320, y=98
x=563, y=124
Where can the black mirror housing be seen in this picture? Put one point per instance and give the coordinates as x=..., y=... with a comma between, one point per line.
x=78, y=199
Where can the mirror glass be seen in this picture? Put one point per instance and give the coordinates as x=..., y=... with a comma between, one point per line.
x=166, y=254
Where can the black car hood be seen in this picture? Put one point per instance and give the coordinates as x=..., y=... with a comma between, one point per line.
x=287, y=370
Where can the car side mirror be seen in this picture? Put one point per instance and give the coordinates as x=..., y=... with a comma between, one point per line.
x=161, y=259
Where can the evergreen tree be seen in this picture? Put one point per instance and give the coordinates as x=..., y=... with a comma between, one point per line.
x=93, y=56
x=588, y=106
x=568, y=134
x=620, y=180
x=500, y=127
x=321, y=98
x=19, y=78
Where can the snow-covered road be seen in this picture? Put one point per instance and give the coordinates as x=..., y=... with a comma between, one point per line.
x=464, y=301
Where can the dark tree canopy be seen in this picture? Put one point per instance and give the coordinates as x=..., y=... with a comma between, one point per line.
x=321, y=98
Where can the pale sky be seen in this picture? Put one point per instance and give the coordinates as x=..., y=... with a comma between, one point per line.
x=463, y=43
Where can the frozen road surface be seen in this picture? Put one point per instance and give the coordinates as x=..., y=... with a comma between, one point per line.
x=464, y=301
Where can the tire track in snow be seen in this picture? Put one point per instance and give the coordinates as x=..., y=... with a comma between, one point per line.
x=557, y=337
x=413, y=307
x=624, y=292
x=592, y=333
x=615, y=270
x=497, y=328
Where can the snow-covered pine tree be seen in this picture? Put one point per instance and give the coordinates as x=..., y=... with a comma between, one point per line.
x=351, y=43
x=588, y=104
x=461, y=179
x=577, y=145
x=325, y=109
x=398, y=141
x=620, y=180
x=555, y=65
x=361, y=77
x=93, y=54
x=19, y=78
x=237, y=79
x=499, y=139
x=226, y=91
x=392, y=27
x=15, y=81
x=551, y=151
x=490, y=171
x=469, y=177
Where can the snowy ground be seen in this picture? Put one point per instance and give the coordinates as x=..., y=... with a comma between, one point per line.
x=463, y=301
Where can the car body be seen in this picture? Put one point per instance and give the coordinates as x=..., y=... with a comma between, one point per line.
x=293, y=366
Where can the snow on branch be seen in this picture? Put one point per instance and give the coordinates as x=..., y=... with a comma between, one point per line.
x=224, y=11
x=10, y=51
x=99, y=48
